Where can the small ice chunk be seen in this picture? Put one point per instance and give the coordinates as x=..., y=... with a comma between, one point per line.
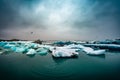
x=31, y=52
x=8, y=46
x=42, y=51
x=2, y=44
x=1, y=52
x=19, y=49
x=30, y=45
x=13, y=48
x=5, y=51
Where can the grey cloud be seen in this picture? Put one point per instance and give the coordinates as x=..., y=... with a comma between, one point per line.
x=77, y=18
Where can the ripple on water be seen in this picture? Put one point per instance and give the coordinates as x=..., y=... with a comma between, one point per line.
x=53, y=70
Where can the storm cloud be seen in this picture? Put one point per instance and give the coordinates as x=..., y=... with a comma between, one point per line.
x=60, y=19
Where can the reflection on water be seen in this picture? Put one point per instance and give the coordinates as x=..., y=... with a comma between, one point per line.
x=100, y=56
x=44, y=54
x=31, y=56
x=21, y=67
x=62, y=60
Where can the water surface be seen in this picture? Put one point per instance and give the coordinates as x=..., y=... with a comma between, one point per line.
x=18, y=66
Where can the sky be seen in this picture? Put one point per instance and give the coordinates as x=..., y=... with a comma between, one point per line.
x=60, y=19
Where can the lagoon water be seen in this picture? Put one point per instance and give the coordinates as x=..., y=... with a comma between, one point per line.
x=17, y=66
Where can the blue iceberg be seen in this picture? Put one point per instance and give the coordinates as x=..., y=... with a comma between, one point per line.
x=8, y=46
x=2, y=44
x=19, y=49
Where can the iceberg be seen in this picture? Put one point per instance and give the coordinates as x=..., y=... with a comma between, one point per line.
x=112, y=47
x=1, y=52
x=19, y=49
x=13, y=48
x=13, y=43
x=42, y=51
x=62, y=43
x=73, y=46
x=2, y=44
x=87, y=50
x=97, y=52
x=32, y=45
x=5, y=51
x=62, y=52
x=8, y=46
x=91, y=51
x=31, y=52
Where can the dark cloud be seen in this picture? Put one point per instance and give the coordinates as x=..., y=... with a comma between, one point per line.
x=76, y=18
x=7, y=14
x=10, y=15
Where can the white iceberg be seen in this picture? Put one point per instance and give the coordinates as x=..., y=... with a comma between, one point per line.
x=97, y=52
x=5, y=51
x=113, y=47
x=73, y=46
x=62, y=52
x=1, y=52
x=31, y=52
x=87, y=50
x=91, y=51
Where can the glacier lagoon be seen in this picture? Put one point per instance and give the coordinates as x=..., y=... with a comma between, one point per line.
x=45, y=67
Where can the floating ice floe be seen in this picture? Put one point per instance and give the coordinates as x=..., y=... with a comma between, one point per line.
x=8, y=46
x=91, y=51
x=59, y=52
x=19, y=49
x=42, y=51
x=77, y=48
x=97, y=52
x=73, y=46
x=87, y=50
x=31, y=52
x=1, y=52
x=30, y=45
x=2, y=44
x=113, y=47
x=4, y=51
x=62, y=43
